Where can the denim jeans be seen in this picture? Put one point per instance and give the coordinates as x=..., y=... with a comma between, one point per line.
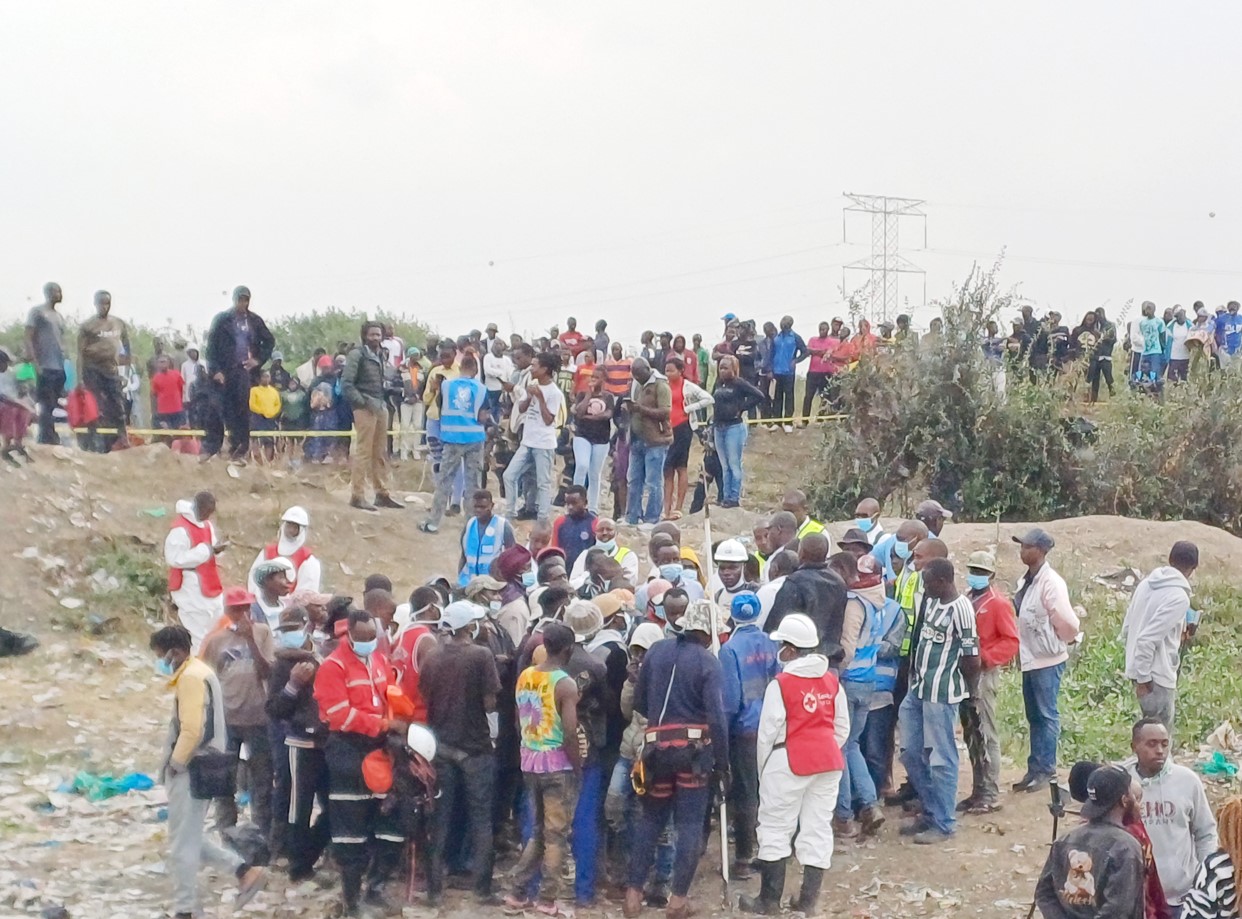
x=457, y=460
x=1040, y=689
x=730, y=439
x=584, y=840
x=589, y=468
x=929, y=753
x=646, y=471
x=877, y=746
x=856, y=788
x=542, y=460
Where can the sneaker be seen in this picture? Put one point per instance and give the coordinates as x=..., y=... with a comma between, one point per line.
x=387, y=501
x=930, y=837
x=514, y=904
x=363, y=505
x=428, y=527
x=250, y=881
x=525, y=514
x=914, y=827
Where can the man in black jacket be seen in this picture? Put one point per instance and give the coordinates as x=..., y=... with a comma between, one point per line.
x=813, y=588
x=238, y=344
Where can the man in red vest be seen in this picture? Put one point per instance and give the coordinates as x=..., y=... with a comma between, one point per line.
x=291, y=545
x=803, y=725
x=190, y=550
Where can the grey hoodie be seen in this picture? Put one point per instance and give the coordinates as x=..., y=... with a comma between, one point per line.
x=1153, y=627
x=1179, y=821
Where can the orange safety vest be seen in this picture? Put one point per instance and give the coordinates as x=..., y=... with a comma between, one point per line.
x=208, y=572
x=810, y=723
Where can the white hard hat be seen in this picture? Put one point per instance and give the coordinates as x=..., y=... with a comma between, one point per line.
x=460, y=614
x=646, y=635
x=296, y=514
x=731, y=550
x=798, y=630
x=420, y=739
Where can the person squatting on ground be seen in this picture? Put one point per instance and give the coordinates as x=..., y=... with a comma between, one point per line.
x=803, y=724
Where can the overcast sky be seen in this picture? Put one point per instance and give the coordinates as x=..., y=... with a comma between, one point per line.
x=655, y=164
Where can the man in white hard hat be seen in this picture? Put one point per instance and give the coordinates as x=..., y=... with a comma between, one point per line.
x=729, y=579
x=291, y=545
x=802, y=727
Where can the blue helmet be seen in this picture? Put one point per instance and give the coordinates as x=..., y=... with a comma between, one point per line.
x=745, y=607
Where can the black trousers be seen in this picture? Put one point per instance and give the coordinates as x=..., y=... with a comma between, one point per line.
x=232, y=402
x=365, y=841
x=816, y=384
x=783, y=399
x=308, y=785
x=470, y=779
x=1100, y=367
x=106, y=388
x=48, y=390
x=744, y=794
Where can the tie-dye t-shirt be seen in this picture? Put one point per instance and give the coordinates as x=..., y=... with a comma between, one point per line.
x=539, y=722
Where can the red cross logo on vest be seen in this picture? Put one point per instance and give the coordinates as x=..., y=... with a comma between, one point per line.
x=810, y=702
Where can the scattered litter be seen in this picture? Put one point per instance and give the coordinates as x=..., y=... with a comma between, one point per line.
x=1010, y=904
x=72, y=603
x=102, y=787
x=233, y=471
x=156, y=512
x=100, y=625
x=1122, y=579
x=346, y=570
x=1218, y=765
x=1224, y=738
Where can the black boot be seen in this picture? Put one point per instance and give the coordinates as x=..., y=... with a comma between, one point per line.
x=808, y=897
x=771, y=886
x=351, y=888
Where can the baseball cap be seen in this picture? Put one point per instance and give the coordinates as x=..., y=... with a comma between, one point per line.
x=237, y=596
x=1040, y=539
x=983, y=561
x=1105, y=789
x=930, y=508
x=482, y=582
x=728, y=317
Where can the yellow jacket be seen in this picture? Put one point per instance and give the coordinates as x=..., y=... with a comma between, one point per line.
x=265, y=401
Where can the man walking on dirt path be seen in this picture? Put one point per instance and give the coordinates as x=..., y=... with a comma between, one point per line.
x=103, y=348
x=197, y=725
x=1046, y=623
x=362, y=383
x=238, y=344
x=1154, y=625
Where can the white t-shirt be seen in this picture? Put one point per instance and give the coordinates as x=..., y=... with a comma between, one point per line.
x=496, y=369
x=536, y=434
x=1179, y=351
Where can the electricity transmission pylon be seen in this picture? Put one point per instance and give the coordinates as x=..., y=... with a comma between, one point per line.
x=886, y=263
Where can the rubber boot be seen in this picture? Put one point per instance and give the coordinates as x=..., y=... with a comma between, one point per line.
x=771, y=886
x=808, y=897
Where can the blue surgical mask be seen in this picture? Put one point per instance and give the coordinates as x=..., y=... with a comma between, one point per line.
x=902, y=550
x=610, y=546
x=365, y=648
x=528, y=579
x=977, y=581
x=291, y=639
x=659, y=611
x=671, y=572
x=865, y=524
x=163, y=667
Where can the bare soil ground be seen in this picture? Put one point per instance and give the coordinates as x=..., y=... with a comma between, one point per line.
x=88, y=702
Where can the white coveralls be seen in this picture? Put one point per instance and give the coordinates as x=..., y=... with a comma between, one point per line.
x=196, y=612
x=307, y=576
x=789, y=803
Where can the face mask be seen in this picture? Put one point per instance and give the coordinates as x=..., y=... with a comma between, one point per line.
x=977, y=581
x=659, y=611
x=493, y=608
x=671, y=573
x=610, y=546
x=865, y=524
x=528, y=579
x=163, y=667
x=294, y=639
x=365, y=648
x=902, y=550
x=474, y=633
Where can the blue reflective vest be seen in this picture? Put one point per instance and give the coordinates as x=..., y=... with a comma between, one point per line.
x=461, y=400
x=481, y=549
x=883, y=670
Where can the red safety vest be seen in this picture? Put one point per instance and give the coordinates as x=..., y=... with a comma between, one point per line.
x=208, y=573
x=407, y=670
x=810, y=717
x=296, y=559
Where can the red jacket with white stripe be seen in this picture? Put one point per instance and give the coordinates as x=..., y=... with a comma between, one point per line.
x=352, y=693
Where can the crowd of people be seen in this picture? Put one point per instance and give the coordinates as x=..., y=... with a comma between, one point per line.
x=552, y=720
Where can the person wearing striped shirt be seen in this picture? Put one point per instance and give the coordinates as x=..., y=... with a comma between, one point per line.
x=1215, y=892
x=944, y=666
